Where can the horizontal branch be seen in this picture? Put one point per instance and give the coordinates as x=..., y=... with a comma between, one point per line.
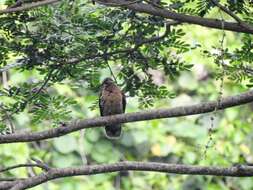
x=200, y=108
x=165, y=13
x=55, y=173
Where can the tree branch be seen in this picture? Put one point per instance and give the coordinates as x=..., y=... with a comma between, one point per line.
x=55, y=173
x=10, y=179
x=153, y=10
x=234, y=16
x=29, y=6
x=200, y=108
x=207, y=22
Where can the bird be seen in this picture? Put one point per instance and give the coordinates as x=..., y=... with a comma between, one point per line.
x=111, y=101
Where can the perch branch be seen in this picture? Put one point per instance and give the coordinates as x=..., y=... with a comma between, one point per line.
x=76, y=125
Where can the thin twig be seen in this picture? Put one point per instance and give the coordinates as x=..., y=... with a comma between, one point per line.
x=109, y=67
x=21, y=166
x=43, y=165
x=125, y=3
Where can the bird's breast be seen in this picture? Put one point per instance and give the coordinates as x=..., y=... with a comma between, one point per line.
x=112, y=101
x=112, y=97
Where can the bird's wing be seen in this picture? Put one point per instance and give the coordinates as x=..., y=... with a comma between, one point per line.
x=101, y=103
x=123, y=101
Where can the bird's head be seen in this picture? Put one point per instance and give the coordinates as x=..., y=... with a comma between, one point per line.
x=107, y=81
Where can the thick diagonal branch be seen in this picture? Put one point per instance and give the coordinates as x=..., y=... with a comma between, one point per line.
x=235, y=171
x=200, y=108
x=234, y=16
x=153, y=10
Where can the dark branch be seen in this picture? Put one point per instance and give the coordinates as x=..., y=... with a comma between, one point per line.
x=29, y=6
x=153, y=10
x=10, y=179
x=234, y=16
x=235, y=171
x=200, y=108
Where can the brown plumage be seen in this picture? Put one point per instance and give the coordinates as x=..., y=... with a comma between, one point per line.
x=111, y=101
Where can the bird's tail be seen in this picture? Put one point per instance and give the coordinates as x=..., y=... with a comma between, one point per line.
x=113, y=131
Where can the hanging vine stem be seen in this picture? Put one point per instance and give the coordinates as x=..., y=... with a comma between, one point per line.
x=109, y=67
x=111, y=71
x=220, y=93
